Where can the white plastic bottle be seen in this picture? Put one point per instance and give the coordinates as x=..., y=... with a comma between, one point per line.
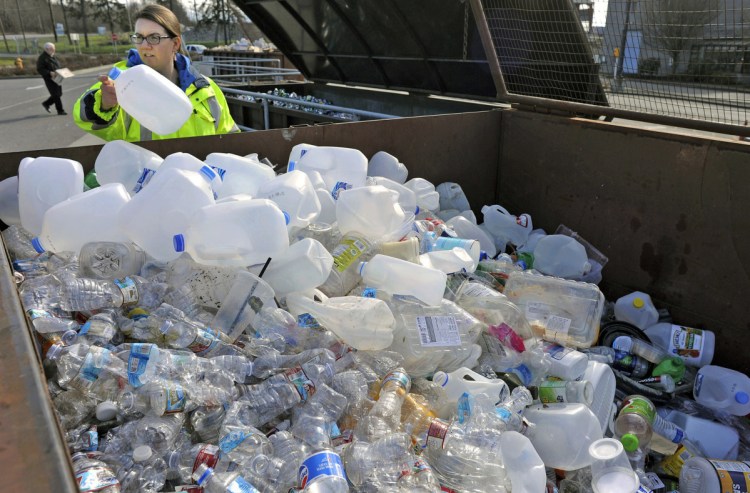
x=164, y=209
x=700, y=475
x=427, y=197
x=388, y=166
x=42, y=183
x=561, y=256
x=554, y=391
x=463, y=380
x=293, y=192
x=122, y=162
x=695, y=346
x=371, y=211
x=723, y=389
x=90, y=216
x=565, y=363
x=505, y=226
x=397, y=276
x=636, y=308
x=152, y=99
x=183, y=160
x=602, y=378
x=305, y=265
x=241, y=233
x=341, y=168
x=239, y=174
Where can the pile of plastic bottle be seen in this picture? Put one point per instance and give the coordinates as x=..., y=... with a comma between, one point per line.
x=213, y=325
x=303, y=107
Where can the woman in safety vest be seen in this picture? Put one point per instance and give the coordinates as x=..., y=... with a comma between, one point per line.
x=158, y=45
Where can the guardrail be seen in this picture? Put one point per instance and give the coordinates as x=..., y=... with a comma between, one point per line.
x=244, y=70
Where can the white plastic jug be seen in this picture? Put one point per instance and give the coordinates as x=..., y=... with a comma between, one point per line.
x=427, y=197
x=406, y=197
x=294, y=194
x=565, y=363
x=164, y=208
x=449, y=261
x=397, y=276
x=602, y=378
x=723, y=389
x=305, y=265
x=561, y=256
x=297, y=152
x=463, y=380
x=152, y=99
x=363, y=323
x=239, y=174
x=42, y=183
x=184, y=160
x=90, y=216
x=464, y=228
x=452, y=196
x=506, y=227
x=371, y=211
x=471, y=246
x=240, y=233
x=695, y=346
x=388, y=166
x=341, y=168
x=122, y=162
x=524, y=466
x=563, y=434
x=636, y=308
x=717, y=440
x=9, y=201
x=327, y=202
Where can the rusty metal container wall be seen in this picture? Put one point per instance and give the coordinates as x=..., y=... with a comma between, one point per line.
x=670, y=212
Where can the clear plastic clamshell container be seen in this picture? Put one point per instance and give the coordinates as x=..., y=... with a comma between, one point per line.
x=559, y=310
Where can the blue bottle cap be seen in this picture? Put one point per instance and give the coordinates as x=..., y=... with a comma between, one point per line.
x=178, y=241
x=291, y=166
x=208, y=173
x=37, y=245
x=287, y=217
x=742, y=397
x=114, y=73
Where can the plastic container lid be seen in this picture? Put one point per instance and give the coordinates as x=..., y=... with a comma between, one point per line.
x=106, y=411
x=142, y=453
x=741, y=397
x=114, y=73
x=178, y=241
x=638, y=302
x=606, y=449
x=630, y=442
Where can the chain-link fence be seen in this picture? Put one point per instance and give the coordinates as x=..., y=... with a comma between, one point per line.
x=678, y=58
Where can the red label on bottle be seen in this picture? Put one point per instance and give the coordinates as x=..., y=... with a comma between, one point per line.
x=209, y=455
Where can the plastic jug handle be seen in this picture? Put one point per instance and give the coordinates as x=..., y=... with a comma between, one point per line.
x=319, y=296
x=498, y=207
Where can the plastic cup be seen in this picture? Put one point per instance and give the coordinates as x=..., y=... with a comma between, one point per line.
x=610, y=468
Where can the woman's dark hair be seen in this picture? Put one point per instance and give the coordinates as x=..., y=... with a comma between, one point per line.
x=165, y=18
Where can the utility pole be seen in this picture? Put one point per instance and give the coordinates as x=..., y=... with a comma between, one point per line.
x=65, y=20
x=2, y=28
x=23, y=30
x=623, y=45
x=85, y=27
x=52, y=19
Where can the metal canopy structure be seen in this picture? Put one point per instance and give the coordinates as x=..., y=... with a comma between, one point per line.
x=428, y=46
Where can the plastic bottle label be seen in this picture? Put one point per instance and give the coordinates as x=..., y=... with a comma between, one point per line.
x=556, y=351
x=175, y=400
x=97, y=328
x=233, y=440
x=686, y=342
x=673, y=463
x=440, y=331
x=347, y=252
x=297, y=377
x=90, y=440
x=734, y=477
x=129, y=291
x=95, y=479
x=203, y=343
x=338, y=187
x=321, y=465
x=307, y=321
x=551, y=392
x=478, y=290
x=239, y=485
x=96, y=359
x=143, y=180
x=219, y=171
x=209, y=455
x=436, y=434
x=400, y=377
x=465, y=407
x=140, y=353
x=640, y=406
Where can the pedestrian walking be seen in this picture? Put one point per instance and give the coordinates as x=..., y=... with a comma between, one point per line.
x=47, y=65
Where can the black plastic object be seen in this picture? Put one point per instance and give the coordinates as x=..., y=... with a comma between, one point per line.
x=612, y=330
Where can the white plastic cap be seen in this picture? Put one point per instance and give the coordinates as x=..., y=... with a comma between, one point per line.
x=142, y=453
x=106, y=411
x=440, y=378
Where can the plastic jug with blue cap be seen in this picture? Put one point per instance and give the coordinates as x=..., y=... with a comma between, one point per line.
x=239, y=174
x=723, y=389
x=152, y=99
x=463, y=380
x=293, y=192
x=342, y=168
x=122, y=162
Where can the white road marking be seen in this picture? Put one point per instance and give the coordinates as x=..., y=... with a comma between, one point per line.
x=34, y=87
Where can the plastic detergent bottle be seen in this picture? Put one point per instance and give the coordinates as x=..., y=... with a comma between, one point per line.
x=152, y=99
x=700, y=475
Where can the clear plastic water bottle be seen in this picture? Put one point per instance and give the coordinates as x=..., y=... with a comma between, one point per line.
x=145, y=472
x=385, y=416
x=94, y=475
x=109, y=260
x=322, y=472
x=184, y=461
x=213, y=482
x=239, y=441
x=82, y=294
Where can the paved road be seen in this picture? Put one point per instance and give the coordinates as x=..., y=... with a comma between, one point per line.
x=24, y=125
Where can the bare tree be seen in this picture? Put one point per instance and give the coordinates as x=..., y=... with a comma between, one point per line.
x=674, y=25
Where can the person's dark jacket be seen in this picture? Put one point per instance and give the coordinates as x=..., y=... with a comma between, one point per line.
x=46, y=64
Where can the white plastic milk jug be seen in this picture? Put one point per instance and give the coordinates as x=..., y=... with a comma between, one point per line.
x=636, y=308
x=305, y=265
x=602, y=378
x=164, y=208
x=342, y=168
x=89, y=216
x=406, y=197
x=463, y=380
x=723, y=389
x=505, y=226
x=464, y=228
x=152, y=99
x=371, y=211
x=561, y=256
x=388, y=166
x=126, y=163
x=186, y=161
x=452, y=196
x=397, y=276
x=239, y=174
x=42, y=183
x=427, y=196
x=293, y=192
x=239, y=233
x=296, y=153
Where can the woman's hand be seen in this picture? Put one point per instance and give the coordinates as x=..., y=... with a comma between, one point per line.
x=109, y=97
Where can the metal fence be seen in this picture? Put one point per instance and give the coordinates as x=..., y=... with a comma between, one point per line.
x=675, y=61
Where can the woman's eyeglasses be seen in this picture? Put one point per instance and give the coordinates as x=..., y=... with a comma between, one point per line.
x=152, y=39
